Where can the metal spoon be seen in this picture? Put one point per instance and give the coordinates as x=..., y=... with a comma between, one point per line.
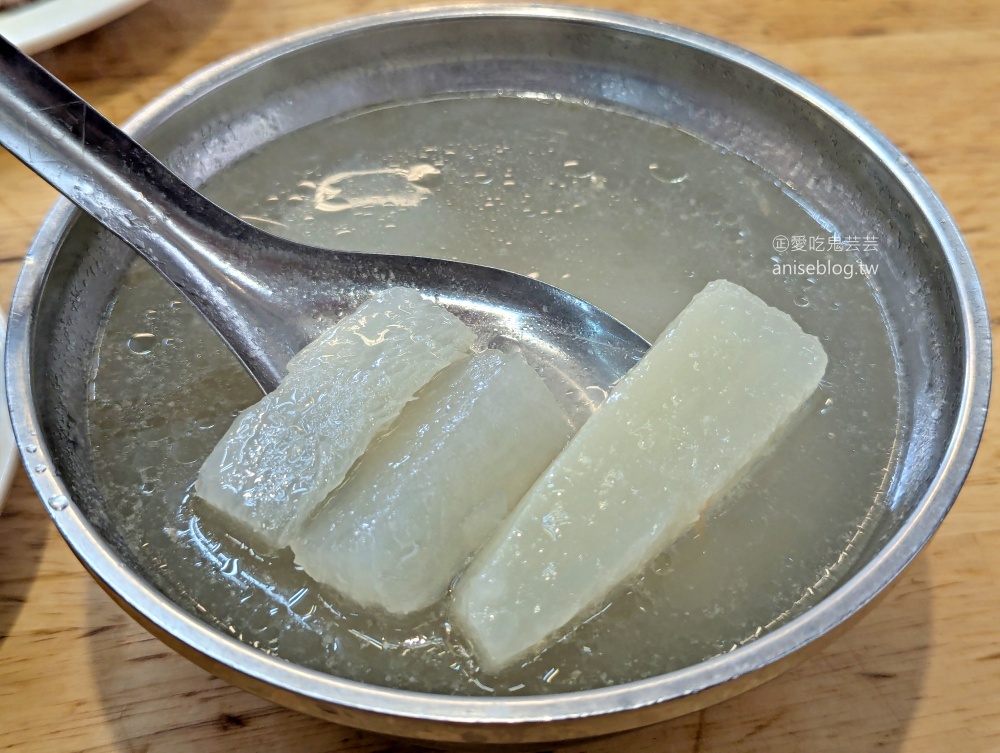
x=266, y=296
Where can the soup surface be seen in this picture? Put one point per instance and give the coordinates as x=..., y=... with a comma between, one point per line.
x=632, y=215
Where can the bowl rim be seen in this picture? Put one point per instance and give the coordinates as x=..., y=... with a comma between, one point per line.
x=9, y=458
x=836, y=608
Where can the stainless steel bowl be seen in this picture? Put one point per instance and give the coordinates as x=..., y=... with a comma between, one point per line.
x=936, y=313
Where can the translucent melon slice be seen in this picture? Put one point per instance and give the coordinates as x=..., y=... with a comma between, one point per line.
x=283, y=455
x=427, y=494
x=677, y=431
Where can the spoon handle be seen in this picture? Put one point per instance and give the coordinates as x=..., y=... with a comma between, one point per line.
x=197, y=246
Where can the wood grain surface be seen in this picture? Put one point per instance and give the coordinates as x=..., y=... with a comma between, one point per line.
x=920, y=673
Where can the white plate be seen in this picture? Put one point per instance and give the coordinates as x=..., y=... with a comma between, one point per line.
x=8, y=449
x=45, y=23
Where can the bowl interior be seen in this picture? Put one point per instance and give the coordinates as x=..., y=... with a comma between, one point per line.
x=687, y=81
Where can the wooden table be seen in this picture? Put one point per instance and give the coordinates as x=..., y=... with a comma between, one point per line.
x=920, y=673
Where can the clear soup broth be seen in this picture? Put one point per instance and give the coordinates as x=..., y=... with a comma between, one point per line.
x=632, y=215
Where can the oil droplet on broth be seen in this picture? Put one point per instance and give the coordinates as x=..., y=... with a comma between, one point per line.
x=639, y=242
x=141, y=343
x=578, y=168
x=666, y=174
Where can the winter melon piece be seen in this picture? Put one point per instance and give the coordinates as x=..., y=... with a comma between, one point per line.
x=429, y=492
x=678, y=430
x=283, y=455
